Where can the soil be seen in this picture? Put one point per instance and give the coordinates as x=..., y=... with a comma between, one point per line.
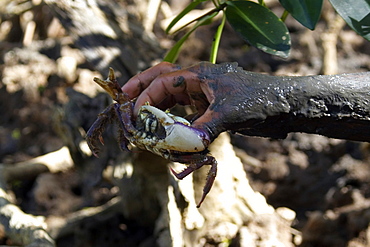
x=325, y=181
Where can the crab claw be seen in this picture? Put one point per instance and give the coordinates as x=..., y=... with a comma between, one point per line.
x=179, y=135
x=111, y=86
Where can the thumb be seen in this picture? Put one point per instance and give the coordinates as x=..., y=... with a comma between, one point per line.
x=211, y=123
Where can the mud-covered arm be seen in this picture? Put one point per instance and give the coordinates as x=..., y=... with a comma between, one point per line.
x=272, y=106
x=229, y=98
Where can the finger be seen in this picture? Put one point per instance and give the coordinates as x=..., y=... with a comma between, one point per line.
x=139, y=82
x=181, y=99
x=176, y=83
x=210, y=122
x=199, y=100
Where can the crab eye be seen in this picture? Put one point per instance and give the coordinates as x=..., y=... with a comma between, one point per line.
x=149, y=124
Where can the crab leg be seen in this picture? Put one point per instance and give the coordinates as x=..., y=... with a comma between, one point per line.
x=96, y=130
x=210, y=177
x=124, y=108
x=125, y=113
x=122, y=140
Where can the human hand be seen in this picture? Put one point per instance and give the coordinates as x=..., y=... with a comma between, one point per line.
x=225, y=96
x=166, y=84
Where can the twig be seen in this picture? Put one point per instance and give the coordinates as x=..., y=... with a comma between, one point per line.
x=329, y=44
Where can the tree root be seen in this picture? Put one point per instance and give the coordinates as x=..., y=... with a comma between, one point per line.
x=24, y=228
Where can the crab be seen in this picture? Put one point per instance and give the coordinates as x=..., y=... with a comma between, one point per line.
x=157, y=131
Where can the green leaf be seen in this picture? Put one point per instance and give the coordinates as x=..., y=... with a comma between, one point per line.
x=188, y=8
x=307, y=12
x=259, y=27
x=172, y=55
x=356, y=13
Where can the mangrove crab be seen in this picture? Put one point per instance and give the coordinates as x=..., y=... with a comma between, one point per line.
x=154, y=130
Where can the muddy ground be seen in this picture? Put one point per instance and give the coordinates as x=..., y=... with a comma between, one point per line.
x=325, y=181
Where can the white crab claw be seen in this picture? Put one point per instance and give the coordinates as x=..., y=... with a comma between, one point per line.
x=180, y=136
x=184, y=138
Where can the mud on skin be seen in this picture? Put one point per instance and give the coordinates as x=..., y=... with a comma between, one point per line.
x=272, y=106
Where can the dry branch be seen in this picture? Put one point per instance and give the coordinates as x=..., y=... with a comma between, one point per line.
x=57, y=161
x=23, y=228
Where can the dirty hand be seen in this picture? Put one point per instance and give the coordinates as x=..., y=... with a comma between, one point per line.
x=166, y=84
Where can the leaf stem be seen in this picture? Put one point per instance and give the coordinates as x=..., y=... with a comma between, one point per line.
x=261, y=2
x=211, y=12
x=216, y=40
x=173, y=53
x=284, y=15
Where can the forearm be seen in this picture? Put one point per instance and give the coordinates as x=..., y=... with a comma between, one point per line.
x=272, y=106
x=333, y=106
